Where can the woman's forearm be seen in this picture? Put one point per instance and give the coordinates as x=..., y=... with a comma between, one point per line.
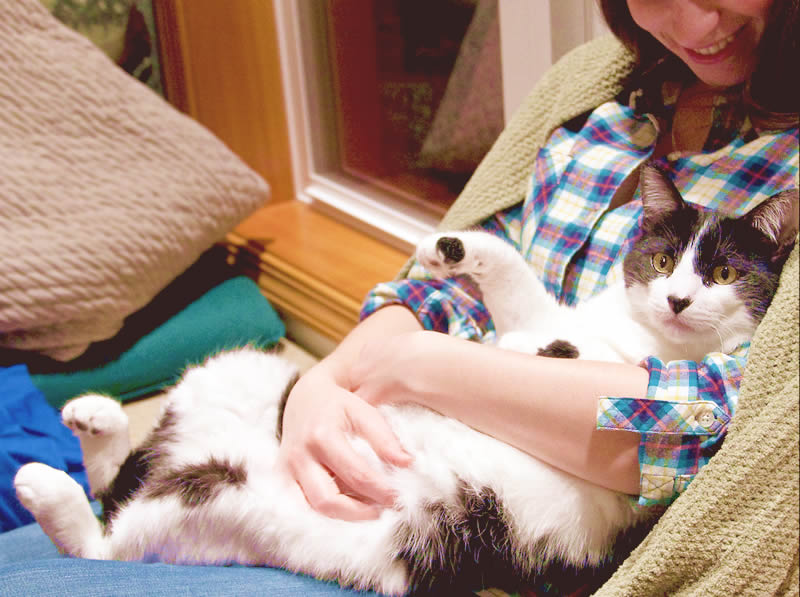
x=380, y=327
x=546, y=407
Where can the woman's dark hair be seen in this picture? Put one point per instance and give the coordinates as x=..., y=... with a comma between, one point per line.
x=771, y=95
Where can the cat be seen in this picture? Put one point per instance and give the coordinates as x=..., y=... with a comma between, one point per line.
x=471, y=511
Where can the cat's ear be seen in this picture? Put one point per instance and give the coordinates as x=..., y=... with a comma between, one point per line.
x=777, y=218
x=660, y=196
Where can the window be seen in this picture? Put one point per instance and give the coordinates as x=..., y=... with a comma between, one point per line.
x=392, y=103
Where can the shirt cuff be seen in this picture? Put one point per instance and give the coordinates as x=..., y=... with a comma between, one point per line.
x=679, y=426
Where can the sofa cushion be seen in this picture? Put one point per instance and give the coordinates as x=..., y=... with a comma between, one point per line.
x=107, y=192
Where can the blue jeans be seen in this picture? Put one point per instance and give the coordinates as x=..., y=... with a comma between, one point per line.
x=31, y=566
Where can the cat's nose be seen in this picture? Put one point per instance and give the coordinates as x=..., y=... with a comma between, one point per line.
x=678, y=304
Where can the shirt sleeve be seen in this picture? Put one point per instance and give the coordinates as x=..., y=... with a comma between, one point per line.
x=682, y=421
x=451, y=306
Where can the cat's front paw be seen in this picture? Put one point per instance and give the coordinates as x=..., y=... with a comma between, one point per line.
x=449, y=254
x=94, y=415
x=440, y=254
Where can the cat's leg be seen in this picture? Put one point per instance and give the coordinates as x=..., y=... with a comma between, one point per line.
x=102, y=428
x=61, y=509
x=511, y=291
x=260, y=522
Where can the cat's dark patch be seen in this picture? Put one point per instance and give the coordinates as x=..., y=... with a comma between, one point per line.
x=467, y=546
x=559, y=349
x=757, y=259
x=196, y=484
x=670, y=235
x=451, y=248
x=130, y=477
x=282, y=404
x=164, y=432
x=136, y=468
x=470, y=547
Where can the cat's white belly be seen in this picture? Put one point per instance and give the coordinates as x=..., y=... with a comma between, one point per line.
x=576, y=518
x=268, y=522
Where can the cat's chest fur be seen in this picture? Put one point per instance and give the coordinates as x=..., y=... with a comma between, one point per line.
x=603, y=328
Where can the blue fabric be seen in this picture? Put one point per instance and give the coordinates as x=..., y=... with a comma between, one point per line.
x=67, y=576
x=30, y=431
x=30, y=566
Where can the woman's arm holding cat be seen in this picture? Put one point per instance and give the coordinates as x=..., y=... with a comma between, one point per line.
x=546, y=407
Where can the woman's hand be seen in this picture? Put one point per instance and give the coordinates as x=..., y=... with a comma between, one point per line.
x=321, y=412
x=316, y=452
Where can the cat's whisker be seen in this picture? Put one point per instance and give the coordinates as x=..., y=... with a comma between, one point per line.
x=719, y=335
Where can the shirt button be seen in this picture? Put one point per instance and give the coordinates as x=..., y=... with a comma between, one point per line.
x=705, y=417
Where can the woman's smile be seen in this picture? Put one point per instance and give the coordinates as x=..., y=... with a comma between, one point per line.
x=714, y=51
x=718, y=40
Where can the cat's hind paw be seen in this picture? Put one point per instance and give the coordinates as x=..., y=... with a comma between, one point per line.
x=59, y=505
x=44, y=490
x=94, y=415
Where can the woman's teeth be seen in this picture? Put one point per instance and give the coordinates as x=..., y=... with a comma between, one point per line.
x=717, y=47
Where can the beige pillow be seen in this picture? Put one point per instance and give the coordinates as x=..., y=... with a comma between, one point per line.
x=470, y=116
x=107, y=193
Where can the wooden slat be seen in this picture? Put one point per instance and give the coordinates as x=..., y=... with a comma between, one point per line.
x=329, y=251
x=310, y=266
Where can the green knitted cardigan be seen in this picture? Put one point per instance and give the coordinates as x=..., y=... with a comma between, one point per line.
x=735, y=530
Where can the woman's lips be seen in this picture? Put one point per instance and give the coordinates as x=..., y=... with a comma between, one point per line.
x=715, y=52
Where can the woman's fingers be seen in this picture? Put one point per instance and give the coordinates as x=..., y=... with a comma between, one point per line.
x=324, y=495
x=374, y=428
x=335, y=452
x=318, y=453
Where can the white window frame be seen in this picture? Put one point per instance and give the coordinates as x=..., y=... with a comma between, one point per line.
x=534, y=34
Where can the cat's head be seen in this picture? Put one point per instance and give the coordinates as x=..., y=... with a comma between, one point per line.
x=694, y=275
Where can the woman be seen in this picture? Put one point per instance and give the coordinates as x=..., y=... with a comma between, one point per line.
x=706, y=72
x=718, y=60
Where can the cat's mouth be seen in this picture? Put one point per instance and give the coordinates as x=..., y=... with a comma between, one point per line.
x=676, y=325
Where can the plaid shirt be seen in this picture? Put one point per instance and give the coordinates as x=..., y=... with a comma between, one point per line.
x=576, y=246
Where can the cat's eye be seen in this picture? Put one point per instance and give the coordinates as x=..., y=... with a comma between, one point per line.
x=724, y=274
x=663, y=263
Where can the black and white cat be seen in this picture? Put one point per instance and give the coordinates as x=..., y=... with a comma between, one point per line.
x=202, y=489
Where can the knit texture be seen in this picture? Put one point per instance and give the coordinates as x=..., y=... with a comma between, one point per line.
x=735, y=531
x=106, y=192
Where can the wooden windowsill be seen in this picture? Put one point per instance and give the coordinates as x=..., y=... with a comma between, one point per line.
x=310, y=266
